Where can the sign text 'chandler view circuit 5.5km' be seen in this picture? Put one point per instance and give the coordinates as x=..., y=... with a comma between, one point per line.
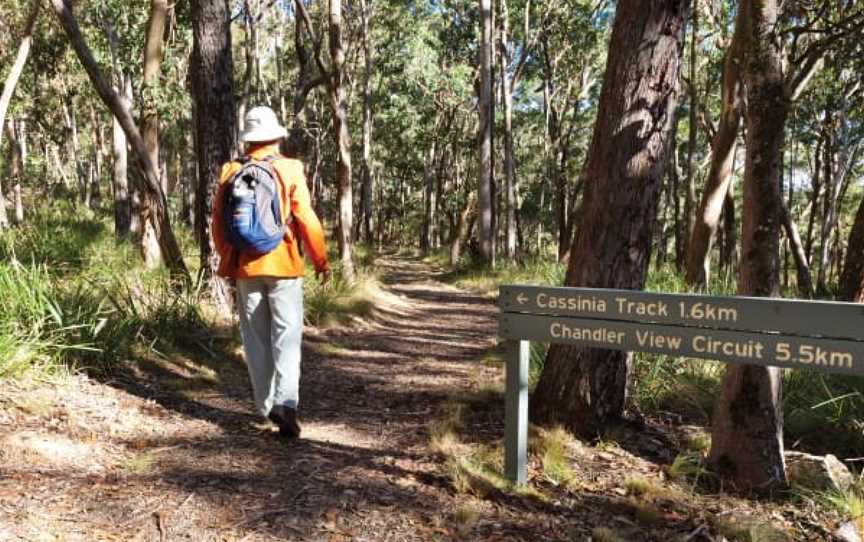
x=822, y=335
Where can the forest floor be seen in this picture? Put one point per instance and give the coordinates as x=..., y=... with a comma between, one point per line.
x=169, y=449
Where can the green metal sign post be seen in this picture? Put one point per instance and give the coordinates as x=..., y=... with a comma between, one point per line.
x=827, y=336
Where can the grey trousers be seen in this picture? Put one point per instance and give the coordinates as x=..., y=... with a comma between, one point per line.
x=271, y=324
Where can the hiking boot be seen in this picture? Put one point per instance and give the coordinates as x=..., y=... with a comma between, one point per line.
x=286, y=419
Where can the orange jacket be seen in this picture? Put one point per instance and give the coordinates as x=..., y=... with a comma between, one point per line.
x=285, y=260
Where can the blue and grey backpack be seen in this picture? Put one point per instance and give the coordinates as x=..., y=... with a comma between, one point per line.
x=251, y=210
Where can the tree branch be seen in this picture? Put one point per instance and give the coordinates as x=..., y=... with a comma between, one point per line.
x=811, y=60
x=797, y=80
x=529, y=45
x=316, y=42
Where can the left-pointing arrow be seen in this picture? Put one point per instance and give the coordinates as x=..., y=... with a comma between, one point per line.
x=522, y=299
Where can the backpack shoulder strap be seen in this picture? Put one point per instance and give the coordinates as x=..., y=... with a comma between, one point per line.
x=241, y=163
x=268, y=161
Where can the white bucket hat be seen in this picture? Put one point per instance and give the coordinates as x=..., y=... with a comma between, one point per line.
x=262, y=125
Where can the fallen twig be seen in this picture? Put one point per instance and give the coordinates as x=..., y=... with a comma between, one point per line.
x=185, y=501
x=162, y=520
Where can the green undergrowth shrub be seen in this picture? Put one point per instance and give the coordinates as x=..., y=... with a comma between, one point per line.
x=824, y=412
x=71, y=296
x=477, y=277
x=339, y=301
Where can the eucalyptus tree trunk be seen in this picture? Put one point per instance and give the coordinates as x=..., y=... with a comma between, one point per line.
x=122, y=200
x=98, y=153
x=58, y=165
x=24, y=45
x=584, y=387
x=21, y=143
x=557, y=179
x=249, y=37
x=280, y=69
x=125, y=224
x=367, y=194
x=4, y=215
x=16, y=169
x=215, y=121
x=26, y=41
x=674, y=173
x=339, y=108
x=831, y=181
x=507, y=84
x=747, y=427
x=73, y=146
x=429, y=194
x=852, y=278
x=150, y=124
x=802, y=266
x=729, y=247
x=839, y=160
x=298, y=141
x=815, y=193
x=462, y=228
x=484, y=136
x=150, y=183
x=690, y=182
x=123, y=219
x=718, y=182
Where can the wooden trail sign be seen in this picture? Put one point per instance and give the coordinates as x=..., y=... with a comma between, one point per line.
x=792, y=317
x=827, y=336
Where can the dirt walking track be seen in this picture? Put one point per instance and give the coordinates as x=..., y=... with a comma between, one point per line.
x=170, y=451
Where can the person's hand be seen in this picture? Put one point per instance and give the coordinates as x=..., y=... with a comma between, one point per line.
x=323, y=276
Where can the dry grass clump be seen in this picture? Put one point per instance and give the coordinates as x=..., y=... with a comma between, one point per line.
x=473, y=469
x=553, y=447
x=637, y=486
x=605, y=534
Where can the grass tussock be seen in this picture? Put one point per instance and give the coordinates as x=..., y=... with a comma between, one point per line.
x=553, y=447
x=465, y=517
x=637, y=486
x=646, y=513
x=749, y=530
x=688, y=467
x=450, y=420
x=606, y=534
x=479, y=278
x=340, y=302
x=473, y=468
x=848, y=503
x=698, y=442
x=138, y=464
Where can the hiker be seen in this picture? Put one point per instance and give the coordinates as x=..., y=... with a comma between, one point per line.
x=264, y=256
